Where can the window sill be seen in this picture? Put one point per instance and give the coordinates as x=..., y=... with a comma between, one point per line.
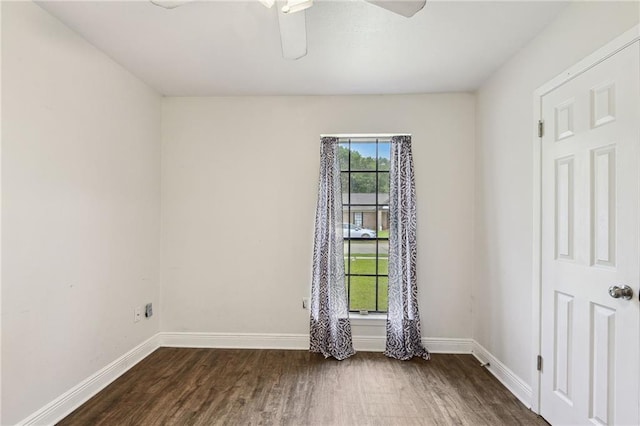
x=374, y=320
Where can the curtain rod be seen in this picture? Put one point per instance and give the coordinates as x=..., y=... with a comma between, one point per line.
x=363, y=135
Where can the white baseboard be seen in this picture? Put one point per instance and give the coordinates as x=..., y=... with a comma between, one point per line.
x=433, y=345
x=444, y=345
x=234, y=340
x=296, y=341
x=60, y=407
x=508, y=378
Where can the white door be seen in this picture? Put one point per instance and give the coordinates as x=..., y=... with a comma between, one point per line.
x=590, y=242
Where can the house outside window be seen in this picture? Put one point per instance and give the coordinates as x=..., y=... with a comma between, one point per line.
x=364, y=166
x=357, y=218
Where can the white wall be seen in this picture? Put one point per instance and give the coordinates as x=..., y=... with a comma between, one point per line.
x=80, y=200
x=239, y=186
x=502, y=292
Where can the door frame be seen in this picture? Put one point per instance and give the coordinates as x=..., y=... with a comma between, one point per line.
x=624, y=40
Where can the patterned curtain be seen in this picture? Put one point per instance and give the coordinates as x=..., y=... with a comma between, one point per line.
x=330, y=332
x=403, y=319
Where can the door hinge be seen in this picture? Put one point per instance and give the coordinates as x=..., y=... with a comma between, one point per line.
x=539, y=365
x=540, y=128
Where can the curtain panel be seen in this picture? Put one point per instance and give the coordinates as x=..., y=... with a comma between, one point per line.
x=403, y=319
x=330, y=330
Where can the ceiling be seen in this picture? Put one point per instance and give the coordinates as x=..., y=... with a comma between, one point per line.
x=233, y=47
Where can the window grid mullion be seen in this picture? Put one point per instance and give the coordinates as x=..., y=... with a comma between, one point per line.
x=377, y=227
x=349, y=172
x=349, y=230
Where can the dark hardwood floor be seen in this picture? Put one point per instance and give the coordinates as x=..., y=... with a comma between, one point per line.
x=176, y=386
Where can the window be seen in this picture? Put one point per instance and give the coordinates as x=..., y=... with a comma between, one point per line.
x=364, y=169
x=357, y=218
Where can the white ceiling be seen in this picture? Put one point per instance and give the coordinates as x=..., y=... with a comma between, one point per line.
x=233, y=47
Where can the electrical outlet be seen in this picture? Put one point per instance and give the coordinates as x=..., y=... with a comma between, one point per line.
x=305, y=303
x=137, y=313
x=148, y=310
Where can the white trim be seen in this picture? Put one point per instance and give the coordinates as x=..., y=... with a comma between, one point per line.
x=370, y=320
x=443, y=345
x=536, y=272
x=234, y=340
x=296, y=341
x=363, y=135
x=63, y=405
x=508, y=378
x=433, y=345
x=626, y=39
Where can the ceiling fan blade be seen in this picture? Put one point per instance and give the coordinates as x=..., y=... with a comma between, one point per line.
x=406, y=8
x=293, y=33
x=170, y=4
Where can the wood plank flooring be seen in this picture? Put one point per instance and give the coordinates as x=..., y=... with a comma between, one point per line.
x=177, y=386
